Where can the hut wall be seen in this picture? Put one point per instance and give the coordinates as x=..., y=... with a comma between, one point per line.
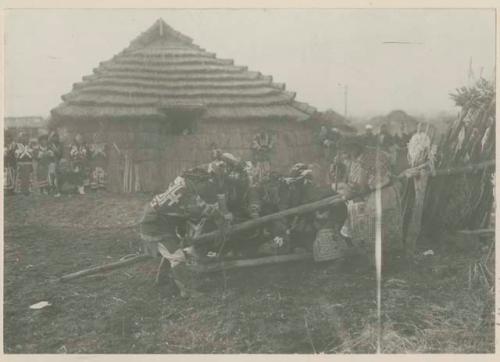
x=294, y=142
x=145, y=156
x=134, y=151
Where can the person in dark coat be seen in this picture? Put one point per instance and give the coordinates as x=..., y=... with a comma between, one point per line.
x=299, y=231
x=202, y=199
x=369, y=138
x=384, y=138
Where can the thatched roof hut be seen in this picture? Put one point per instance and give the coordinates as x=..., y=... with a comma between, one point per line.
x=31, y=125
x=397, y=121
x=330, y=118
x=165, y=100
x=162, y=70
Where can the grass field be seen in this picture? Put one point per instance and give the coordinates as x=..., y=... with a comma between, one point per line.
x=300, y=307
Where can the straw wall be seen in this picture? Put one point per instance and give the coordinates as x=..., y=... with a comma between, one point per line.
x=152, y=156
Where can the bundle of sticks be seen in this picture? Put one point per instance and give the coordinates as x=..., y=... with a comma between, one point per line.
x=465, y=201
x=131, y=175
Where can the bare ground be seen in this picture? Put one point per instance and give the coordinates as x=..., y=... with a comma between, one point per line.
x=299, y=307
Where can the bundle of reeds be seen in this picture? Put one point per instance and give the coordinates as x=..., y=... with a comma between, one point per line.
x=465, y=201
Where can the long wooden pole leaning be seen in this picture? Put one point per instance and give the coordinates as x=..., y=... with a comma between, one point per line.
x=302, y=209
x=246, y=263
x=329, y=201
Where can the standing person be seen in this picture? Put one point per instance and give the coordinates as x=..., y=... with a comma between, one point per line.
x=262, y=147
x=384, y=138
x=44, y=157
x=34, y=146
x=98, y=162
x=370, y=138
x=9, y=164
x=24, y=161
x=369, y=170
x=56, y=147
x=79, y=154
x=397, y=140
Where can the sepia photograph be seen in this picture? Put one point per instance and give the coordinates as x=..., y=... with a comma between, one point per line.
x=249, y=180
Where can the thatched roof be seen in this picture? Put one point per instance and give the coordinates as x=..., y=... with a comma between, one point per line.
x=163, y=69
x=396, y=121
x=24, y=122
x=331, y=118
x=394, y=117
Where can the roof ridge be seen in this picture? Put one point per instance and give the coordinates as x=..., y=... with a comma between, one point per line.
x=160, y=30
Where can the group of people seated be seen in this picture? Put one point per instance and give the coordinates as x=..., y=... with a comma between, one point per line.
x=228, y=190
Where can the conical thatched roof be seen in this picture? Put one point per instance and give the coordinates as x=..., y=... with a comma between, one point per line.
x=162, y=70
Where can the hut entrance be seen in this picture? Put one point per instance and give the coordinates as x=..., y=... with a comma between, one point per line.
x=183, y=119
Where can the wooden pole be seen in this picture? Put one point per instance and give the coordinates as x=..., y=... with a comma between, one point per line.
x=103, y=268
x=245, y=263
x=324, y=203
x=414, y=227
x=302, y=209
x=465, y=169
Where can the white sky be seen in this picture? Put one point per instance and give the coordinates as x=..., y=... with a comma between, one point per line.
x=312, y=51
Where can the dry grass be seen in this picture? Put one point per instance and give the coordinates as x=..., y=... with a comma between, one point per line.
x=294, y=308
x=434, y=311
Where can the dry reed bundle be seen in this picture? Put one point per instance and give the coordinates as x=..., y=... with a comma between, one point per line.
x=465, y=201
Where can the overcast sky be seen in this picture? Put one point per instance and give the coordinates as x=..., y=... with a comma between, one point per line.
x=314, y=52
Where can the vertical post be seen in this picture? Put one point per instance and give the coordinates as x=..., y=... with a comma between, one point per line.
x=345, y=100
x=415, y=224
x=470, y=73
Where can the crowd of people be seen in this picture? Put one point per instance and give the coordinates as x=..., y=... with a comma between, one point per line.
x=229, y=190
x=394, y=146
x=44, y=165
